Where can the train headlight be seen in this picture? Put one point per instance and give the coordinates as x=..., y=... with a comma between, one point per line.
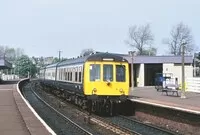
x=94, y=91
x=121, y=90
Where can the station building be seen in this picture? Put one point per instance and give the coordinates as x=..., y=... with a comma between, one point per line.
x=145, y=68
x=4, y=64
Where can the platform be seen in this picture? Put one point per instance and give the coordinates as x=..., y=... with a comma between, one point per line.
x=149, y=95
x=15, y=116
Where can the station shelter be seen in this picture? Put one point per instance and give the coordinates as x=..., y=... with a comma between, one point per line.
x=4, y=64
x=145, y=68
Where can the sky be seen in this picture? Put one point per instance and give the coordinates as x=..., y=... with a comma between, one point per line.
x=43, y=27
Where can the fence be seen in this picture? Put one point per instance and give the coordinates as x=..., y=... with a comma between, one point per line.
x=193, y=84
x=9, y=77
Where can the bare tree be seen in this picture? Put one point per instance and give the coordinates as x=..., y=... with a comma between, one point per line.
x=86, y=52
x=11, y=54
x=140, y=38
x=180, y=34
x=151, y=51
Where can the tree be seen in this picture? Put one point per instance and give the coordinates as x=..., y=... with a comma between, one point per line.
x=140, y=38
x=24, y=65
x=180, y=34
x=151, y=51
x=11, y=54
x=86, y=52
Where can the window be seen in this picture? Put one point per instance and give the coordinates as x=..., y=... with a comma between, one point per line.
x=79, y=77
x=66, y=75
x=53, y=74
x=70, y=76
x=95, y=72
x=107, y=72
x=120, y=73
x=76, y=76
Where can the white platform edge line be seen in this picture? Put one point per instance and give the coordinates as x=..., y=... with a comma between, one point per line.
x=167, y=106
x=34, y=112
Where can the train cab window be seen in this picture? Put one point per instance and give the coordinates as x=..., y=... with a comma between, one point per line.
x=120, y=73
x=95, y=72
x=107, y=72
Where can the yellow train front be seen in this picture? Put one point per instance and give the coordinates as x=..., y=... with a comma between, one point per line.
x=105, y=82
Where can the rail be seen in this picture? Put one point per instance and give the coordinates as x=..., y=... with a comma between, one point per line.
x=81, y=129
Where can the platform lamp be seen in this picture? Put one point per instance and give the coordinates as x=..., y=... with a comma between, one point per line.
x=132, y=53
x=183, y=70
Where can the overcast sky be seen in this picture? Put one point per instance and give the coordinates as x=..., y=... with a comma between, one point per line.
x=43, y=27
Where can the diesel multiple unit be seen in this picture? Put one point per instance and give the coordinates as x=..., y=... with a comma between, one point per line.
x=97, y=81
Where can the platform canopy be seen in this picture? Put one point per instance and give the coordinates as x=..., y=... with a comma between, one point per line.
x=159, y=59
x=4, y=64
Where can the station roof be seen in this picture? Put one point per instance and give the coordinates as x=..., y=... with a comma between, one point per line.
x=4, y=64
x=158, y=59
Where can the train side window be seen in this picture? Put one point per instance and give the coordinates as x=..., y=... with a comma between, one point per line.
x=53, y=74
x=66, y=75
x=63, y=73
x=107, y=72
x=61, y=70
x=70, y=76
x=95, y=72
x=59, y=74
x=76, y=76
x=79, y=77
x=120, y=73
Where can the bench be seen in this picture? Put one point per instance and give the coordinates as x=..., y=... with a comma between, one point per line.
x=170, y=90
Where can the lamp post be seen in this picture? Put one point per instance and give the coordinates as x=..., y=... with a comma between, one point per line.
x=183, y=70
x=131, y=53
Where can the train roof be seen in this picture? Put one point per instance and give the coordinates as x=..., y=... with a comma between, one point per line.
x=52, y=65
x=72, y=61
x=93, y=57
x=100, y=56
x=106, y=57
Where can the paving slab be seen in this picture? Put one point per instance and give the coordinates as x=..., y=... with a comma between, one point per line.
x=16, y=118
x=11, y=121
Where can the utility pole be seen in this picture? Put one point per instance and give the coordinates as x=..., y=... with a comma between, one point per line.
x=131, y=53
x=183, y=71
x=59, y=55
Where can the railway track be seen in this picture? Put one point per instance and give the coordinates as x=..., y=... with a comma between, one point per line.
x=121, y=124
x=97, y=120
x=129, y=126
x=67, y=125
x=139, y=127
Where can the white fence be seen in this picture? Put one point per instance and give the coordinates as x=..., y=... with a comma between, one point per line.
x=9, y=77
x=193, y=84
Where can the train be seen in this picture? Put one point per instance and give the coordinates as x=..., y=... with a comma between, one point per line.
x=98, y=81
